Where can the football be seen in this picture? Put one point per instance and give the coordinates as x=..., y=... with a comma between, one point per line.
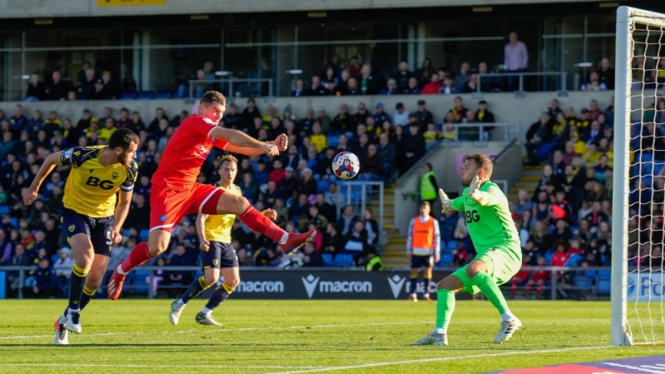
x=346, y=165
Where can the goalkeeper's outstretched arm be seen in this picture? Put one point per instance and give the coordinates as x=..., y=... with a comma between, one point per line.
x=447, y=204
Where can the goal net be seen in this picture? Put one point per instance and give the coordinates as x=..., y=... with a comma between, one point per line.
x=638, y=280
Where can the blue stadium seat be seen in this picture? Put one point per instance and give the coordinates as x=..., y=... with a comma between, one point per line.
x=548, y=258
x=4, y=209
x=126, y=232
x=14, y=221
x=143, y=235
x=574, y=260
x=452, y=245
x=446, y=258
x=139, y=284
x=583, y=283
x=344, y=259
x=603, y=285
x=328, y=259
x=163, y=95
x=333, y=140
x=128, y=96
x=145, y=95
x=323, y=185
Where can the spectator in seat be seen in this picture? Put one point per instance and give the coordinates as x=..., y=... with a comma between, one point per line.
x=347, y=220
x=372, y=227
x=108, y=130
x=250, y=190
x=433, y=86
x=36, y=89
x=403, y=76
x=319, y=140
x=355, y=241
x=390, y=89
x=58, y=88
x=423, y=116
x=426, y=72
x=597, y=215
x=352, y=88
x=516, y=59
x=335, y=198
x=414, y=146
x=111, y=87
x=401, y=115
x=277, y=174
x=558, y=166
x=594, y=83
x=523, y=202
x=447, y=87
x=360, y=117
x=311, y=257
x=334, y=241
x=570, y=153
x=249, y=113
x=369, y=84
x=271, y=195
x=554, y=109
x=380, y=116
x=462, y=78
x=342, y=121
x=45, y=283
x=308, y=185
x=139, y=215
x=487, y=84
x=388, y=153
x=483, y=115
x=594, y=110
x=539, y=133
x=472, y=84
x=372, y=165
x=326, y=209
x=538, y=277
x=606, y=74
x=412, y=88
x=316, y=89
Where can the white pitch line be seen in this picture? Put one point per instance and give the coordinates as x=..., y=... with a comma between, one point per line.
x=27, y=364
x=223, y=330
x=434, y=359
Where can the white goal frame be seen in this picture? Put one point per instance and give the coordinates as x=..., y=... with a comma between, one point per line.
x=627, y=17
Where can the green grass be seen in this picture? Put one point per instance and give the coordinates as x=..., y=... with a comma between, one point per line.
x=307, y=336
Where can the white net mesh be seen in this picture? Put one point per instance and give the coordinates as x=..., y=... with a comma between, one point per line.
x=646, y=177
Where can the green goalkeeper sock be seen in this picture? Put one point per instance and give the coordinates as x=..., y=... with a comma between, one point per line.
x=445, y=305
x=491, y=290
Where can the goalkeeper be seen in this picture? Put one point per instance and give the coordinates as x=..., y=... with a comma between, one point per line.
x=499, y=255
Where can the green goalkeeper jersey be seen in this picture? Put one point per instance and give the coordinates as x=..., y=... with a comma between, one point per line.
x=490, y=224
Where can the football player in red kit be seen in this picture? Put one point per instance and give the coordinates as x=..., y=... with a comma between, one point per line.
x=175, y=192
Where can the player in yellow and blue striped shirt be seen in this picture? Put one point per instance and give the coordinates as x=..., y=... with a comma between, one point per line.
x=89, y=214
x=217, y=252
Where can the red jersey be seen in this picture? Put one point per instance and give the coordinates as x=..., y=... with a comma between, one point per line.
x=559, y=259
x=540, y=275
x=185, y=152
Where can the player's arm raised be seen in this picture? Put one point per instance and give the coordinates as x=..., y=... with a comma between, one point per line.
x=200, y=229
x=456, y=204
x=282, y=143
x=489, y=198
x=30, y=193
x=239, y=142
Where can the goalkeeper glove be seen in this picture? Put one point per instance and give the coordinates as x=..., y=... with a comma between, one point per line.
x=474, y=185
x=445, y=201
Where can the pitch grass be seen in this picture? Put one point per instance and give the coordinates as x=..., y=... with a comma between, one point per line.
x=301, y=336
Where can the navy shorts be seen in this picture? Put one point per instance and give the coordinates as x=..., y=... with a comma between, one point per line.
x=97, y=229
x=219, y=255
x=421, y=261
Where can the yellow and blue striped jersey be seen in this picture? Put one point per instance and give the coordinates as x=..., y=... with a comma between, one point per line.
x=218, y=227
x=91, y=186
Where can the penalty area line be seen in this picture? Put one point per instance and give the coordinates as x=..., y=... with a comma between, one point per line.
x=434, y=359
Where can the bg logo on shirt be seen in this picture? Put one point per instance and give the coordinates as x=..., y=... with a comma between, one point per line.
x=472, y=216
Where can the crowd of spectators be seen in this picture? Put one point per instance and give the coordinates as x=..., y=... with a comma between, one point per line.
x=336, y=79
x=298, y=184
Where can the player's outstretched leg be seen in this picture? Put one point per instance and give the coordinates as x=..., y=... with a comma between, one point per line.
x=256, y=221
x=477, y=272
x=195, y=289
x=445, y=305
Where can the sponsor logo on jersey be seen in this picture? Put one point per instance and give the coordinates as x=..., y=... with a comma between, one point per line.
x=215, y=261
x=71, y=228
x=115, y=175
x=163, y=218
x=68, y=153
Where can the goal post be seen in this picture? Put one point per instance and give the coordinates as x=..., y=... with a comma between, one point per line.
x=637, y=280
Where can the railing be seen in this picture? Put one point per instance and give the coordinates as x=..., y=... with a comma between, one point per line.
x=231, y=81
x=508, y=129
x=366, y=193
x=521, y=75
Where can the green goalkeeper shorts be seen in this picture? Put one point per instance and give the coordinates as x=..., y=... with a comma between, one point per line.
x=501, y=266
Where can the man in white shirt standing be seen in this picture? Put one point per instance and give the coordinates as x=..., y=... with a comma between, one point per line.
x=516, y=58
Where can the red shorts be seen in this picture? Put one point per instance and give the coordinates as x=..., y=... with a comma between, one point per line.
x=168, y=206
